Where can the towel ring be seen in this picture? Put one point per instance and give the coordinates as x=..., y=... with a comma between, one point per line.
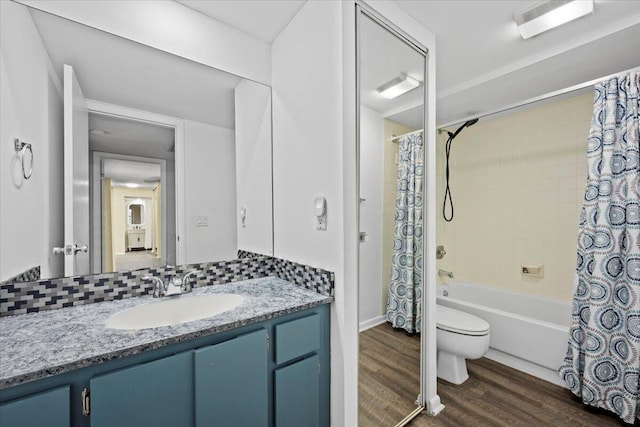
x=22, y=148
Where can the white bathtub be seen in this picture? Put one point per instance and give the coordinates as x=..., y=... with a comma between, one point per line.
x=527, y=332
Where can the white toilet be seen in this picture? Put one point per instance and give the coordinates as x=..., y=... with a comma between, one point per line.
x=459, y=336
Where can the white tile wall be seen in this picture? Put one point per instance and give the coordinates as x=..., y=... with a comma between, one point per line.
x=517, y=184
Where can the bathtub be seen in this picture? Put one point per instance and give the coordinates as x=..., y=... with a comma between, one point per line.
x=527, y=333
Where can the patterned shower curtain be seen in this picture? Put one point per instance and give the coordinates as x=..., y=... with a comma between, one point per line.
x=405, y=287
x=602, y=364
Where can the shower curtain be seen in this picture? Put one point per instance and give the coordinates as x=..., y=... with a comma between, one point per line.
x=405, y=286
x=602, y=364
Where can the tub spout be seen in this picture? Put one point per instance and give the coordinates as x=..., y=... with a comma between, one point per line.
x=446, y=273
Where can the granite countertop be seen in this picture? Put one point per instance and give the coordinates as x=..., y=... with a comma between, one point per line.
x=39, y=345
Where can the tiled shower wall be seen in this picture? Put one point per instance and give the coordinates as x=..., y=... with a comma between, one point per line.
x=518, y=184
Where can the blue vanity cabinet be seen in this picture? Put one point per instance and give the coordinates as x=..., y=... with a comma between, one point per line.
x=297, y=394
x=47, y=409
x=158, y=393
x=232, y=382
x=298, y=381
x=272, y=373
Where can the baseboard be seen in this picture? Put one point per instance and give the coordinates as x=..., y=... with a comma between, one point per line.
x=373, y=322
x=525, y=366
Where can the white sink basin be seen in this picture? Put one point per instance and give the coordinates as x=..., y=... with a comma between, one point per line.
x=173, y=311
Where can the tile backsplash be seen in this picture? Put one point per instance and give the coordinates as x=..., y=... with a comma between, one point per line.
x=26, y=276
x=28, y=297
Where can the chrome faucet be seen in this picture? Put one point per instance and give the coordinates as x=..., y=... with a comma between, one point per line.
x=159, y=287
x=446, y=273
x=186, y=282
x=174, y=286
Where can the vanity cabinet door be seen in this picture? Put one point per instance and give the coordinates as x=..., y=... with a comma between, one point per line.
x=49, y=408
x=158, y=393
x=231, y=382
x=297, y=399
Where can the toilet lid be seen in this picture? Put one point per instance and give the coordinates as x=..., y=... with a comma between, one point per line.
x=460, y=322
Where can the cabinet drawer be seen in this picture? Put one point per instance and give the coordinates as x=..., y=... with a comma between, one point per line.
x=297, y=338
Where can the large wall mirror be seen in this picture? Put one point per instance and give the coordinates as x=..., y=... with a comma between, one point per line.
x=392, y=182
x=141, y=158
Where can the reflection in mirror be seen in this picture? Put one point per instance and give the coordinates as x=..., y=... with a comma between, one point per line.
x=167, y=152
x=391, y=119
x=135, y=213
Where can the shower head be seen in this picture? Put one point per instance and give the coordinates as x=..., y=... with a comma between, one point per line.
x=466, y=124
x=471, y=122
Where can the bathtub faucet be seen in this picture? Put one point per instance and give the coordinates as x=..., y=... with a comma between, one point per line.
x=442, y=273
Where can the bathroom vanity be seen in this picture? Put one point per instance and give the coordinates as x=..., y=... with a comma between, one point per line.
x=263, y=363
x=135, y=239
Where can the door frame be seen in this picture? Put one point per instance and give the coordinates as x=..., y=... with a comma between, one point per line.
x=177, y=124
x=428, y=398
x=77, y=238
x=95, y=187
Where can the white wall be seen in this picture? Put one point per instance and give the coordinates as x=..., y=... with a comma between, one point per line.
x=253, y=167
x=307, y=158
x=174, y=28
x=210, y=182
x=371, y=189
x=314, y=104
x=30, y=109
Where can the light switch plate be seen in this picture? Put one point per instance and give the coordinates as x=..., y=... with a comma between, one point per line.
x=202, y=220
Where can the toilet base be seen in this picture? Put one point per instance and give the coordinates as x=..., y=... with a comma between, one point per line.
x=452, y=368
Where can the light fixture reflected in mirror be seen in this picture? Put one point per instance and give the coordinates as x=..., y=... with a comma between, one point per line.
x=398, y=86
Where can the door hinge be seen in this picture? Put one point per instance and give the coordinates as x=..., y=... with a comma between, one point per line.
x=318, y=368
x=268, y=343
x=86, y=402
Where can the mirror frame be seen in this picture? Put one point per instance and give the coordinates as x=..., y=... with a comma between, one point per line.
x=130, y=209
x=427, y=398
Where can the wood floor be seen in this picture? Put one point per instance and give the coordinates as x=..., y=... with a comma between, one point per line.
x=135, y=260
x=494, y=394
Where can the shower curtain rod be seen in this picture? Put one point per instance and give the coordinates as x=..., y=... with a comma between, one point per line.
x=537, y=98
x=396, y=138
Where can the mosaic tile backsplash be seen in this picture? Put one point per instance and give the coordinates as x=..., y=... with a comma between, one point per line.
x=248, y=254
x=27, y=276
x=28, y=297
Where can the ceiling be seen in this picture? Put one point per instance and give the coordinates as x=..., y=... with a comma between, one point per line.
x=262, y=19
x=119, y=71
x=130, y=137
x=384, y=57
x=124, y=172
x=482, y=62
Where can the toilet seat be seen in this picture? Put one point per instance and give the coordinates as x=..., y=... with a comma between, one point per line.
x=459, y=322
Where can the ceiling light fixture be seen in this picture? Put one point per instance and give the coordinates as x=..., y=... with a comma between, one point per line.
x=132, y=185
x=545, y=15
x=397, y=86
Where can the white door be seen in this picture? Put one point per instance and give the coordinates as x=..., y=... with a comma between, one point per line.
x=76, y=177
